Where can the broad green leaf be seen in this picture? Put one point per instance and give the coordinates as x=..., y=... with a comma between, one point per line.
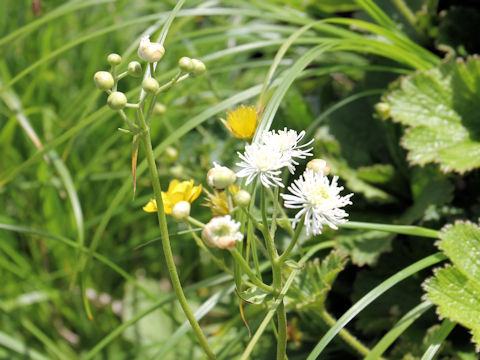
x=457, y=298
x=456, y=289
x=461, y=243
x=441, y=108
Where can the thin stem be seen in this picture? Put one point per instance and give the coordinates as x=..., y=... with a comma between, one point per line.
x=202, y=246
x=241, y=261
x=277, y=282
x=292, y=244
x=167, y=250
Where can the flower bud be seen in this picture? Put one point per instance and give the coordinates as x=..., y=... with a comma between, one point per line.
x=150, y=51
x=186, y=64
x=177, y=171
x=181, y=211
x=114, y=59
x=159, y=109
x=318, y=165
x=222, y=232
x=383, y=109
x=219, y=177
x=242, y=198
x=198, y=67
x=117, y=100
x=150, y=85
x=103, y=80
x=134, y=69
x=171, y=154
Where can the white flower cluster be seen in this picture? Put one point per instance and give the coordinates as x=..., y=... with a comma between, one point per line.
x=275, y=151
x=318, y=199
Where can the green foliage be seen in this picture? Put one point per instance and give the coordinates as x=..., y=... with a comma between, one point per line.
x=456, y=289
x=440, y=107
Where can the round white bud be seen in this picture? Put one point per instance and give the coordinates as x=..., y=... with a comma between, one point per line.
x=150, y=85
x=103, y=80
x=134, y=69
x=198, y=67
x=219, y=177
x=242, y=198
x=171, y=154
x=117, y=100
x=177, y=171
x=186, y=64
x=159, y=109
x=181, y=211
x=318, y=165
x=150, y=51
x=114, y=59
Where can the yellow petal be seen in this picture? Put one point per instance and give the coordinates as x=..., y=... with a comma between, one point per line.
x=195, y=193
x=151, y=206
x=242, y=122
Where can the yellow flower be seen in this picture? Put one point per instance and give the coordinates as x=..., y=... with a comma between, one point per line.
x=242, y=122
x=218, y=201
x=177, y=191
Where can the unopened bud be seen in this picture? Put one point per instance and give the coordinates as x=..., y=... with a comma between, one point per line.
x=114, y=59
x=383, y=109
x=171, y=154
x=181, y=211
x=177, y=171
x=134, y=69
x=186, y=64
x=103, y=80
x=219, y=177
x=150, y=85
x=117, y=100
x=159, y=109
x=198, y=67
x=242, y=198
x=150, y=51
x=318, y=165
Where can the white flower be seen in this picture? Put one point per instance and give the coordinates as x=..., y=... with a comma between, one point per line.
x=319, y=201
x=222, y=232
x=286, y=142
x=262, y=160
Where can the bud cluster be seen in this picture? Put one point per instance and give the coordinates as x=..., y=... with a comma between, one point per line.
x=150, y=52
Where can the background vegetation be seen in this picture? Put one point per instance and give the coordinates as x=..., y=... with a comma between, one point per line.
x=380, y=86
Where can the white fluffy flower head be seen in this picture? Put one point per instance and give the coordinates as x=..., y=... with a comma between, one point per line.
x=286, y=142
x=263, y=161
x=319, y=201
x=222, y=232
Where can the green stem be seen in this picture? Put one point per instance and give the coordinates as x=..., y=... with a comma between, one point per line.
x=277, y=282
x=167, y=250
x=397, y=229
x=290, y=247
x=241, y=261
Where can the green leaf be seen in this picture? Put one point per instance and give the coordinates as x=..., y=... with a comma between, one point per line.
x=365, y=247
x=441, y=108
x=456, y=289
x=315, y=281
x=255, y=295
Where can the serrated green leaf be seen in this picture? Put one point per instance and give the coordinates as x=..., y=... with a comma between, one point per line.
x=461, y=243
x=457, y=298
x=441, y=107
x=315, y=281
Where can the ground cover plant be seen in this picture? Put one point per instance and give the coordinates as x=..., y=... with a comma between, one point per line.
x=239, y=179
